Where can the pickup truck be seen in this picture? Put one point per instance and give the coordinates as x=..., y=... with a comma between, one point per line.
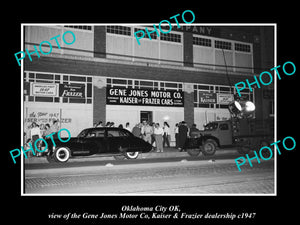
x=244, y=134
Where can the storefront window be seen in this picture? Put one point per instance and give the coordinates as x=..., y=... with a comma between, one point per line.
x=219, y=96
x=48, y=87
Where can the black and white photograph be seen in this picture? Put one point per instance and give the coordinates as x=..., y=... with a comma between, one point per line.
x=161, y=117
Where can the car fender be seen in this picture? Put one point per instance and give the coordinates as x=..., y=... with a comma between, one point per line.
x=207, y=137
x=193, y=143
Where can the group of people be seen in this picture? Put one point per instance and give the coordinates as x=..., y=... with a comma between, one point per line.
x=157, y=135
x=36, y=131
x=153, y=133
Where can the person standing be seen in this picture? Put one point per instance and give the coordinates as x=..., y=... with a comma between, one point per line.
x=158, y=134
x=54, y=127
x=147, y=132
x=193, y=131
x=143, y=125
x=152, y=125
x=182, y=135
x=99, y=124
x=136, y=130
x=127, y=127
x=176, y=135
x=166, y=129
x=47, y=131
x=35, y=133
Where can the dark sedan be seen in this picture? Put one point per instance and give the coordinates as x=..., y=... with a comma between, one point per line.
x=108, y=141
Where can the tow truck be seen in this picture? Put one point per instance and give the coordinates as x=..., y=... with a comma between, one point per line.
x=242, y=131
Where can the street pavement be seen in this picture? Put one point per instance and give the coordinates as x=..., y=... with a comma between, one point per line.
x=149, y=175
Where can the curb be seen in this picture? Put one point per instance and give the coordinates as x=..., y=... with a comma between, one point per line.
x=170, y=153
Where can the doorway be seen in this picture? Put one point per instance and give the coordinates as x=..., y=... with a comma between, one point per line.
x=147, y=116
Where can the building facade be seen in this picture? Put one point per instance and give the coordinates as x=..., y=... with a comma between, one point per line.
x=187, y=74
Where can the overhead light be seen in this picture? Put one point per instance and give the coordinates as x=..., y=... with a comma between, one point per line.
x=235, y=108
x=241, y=108
x=249, y=106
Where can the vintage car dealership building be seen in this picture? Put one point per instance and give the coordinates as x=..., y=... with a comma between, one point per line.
x=105, y=75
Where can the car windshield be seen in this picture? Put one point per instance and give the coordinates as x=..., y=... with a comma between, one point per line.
x=211, y=126
x=118, y=133
x=83, y=133
x=126, y=133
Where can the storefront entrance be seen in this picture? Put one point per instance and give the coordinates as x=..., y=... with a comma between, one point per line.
x=146, y=116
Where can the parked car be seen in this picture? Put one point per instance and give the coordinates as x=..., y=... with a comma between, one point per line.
x=107, y=141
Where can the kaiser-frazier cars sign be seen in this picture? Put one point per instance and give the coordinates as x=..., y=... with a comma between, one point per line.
x=126, y=96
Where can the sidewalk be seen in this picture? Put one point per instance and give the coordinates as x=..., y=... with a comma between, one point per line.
x=168, y=153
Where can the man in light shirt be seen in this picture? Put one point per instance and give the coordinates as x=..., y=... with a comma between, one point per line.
x=158, y=134
x=147, y=131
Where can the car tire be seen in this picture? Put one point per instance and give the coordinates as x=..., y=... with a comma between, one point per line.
x=265, y=154
x=132, y=155
x=209, y=147
x=61, y=154
x=119, y=157
x=194, y=152
x=50, y=158
x=243, y=150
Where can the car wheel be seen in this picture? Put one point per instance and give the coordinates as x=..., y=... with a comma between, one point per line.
x=61, y=154
x=194, y=152
x=119, y=157
x=243, y=149
x=50, y=158
x=209, y=147
x=266, y=154
x=131, y=155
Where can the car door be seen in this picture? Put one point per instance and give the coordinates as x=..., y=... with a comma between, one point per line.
x=101, y=141
x=89, y=143
x=225, y=134
x=116, y=140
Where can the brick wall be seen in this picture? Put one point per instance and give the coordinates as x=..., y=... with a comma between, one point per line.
x=188, y=103
x=99, y=42
x=99, y=109
x=188, y=49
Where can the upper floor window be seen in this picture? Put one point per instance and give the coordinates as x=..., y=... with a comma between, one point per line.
x=153, y=35
x=202, y=41
x=80, y=27
x=223, y=44
x=119, y=30
x=242, y=47
x=171, y=37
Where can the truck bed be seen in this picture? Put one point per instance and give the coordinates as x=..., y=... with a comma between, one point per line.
x=253, y=127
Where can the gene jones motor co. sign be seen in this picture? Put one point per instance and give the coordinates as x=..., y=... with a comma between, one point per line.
x=122, y=96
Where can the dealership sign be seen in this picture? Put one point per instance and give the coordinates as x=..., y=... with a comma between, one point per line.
x=55, y=90
x=71, y=90
x=123, y=96
x=206, y=97
x=215, y=98
x=224, y=98
x=44, y=89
